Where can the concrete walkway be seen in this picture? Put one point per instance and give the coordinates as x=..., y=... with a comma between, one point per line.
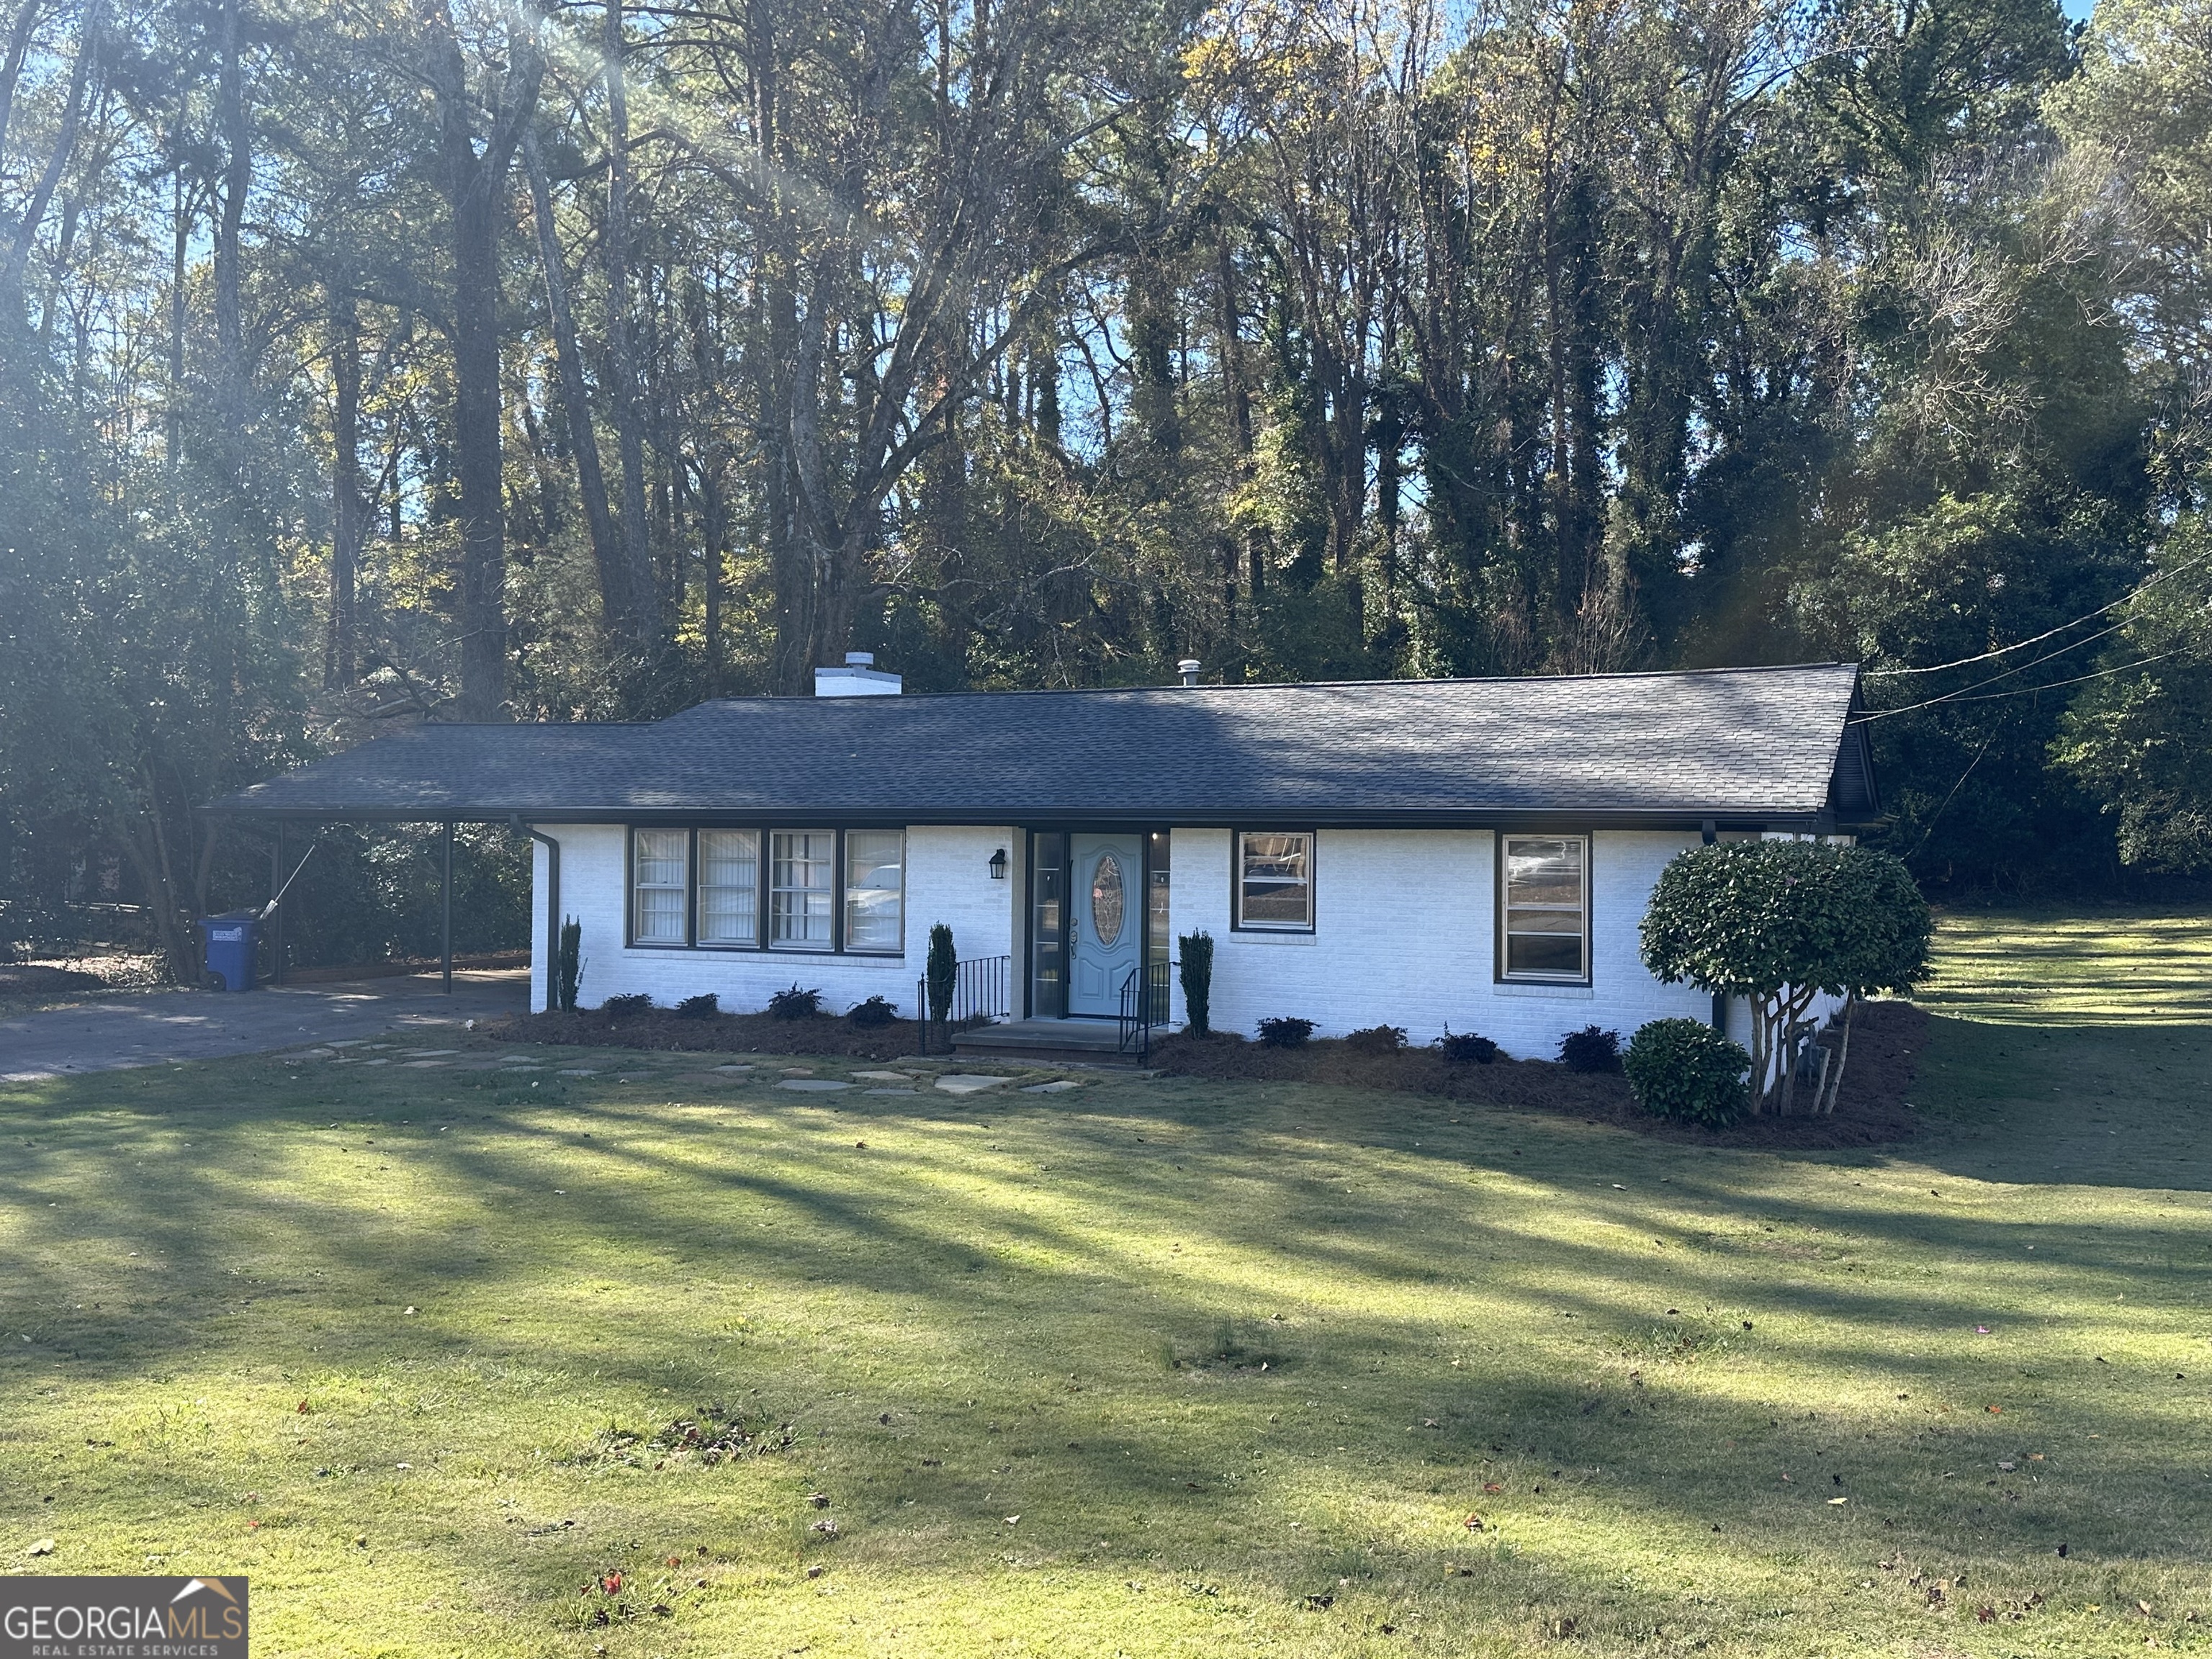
x=151, y=1028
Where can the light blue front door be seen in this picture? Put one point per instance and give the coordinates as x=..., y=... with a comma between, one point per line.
x=1105, y=921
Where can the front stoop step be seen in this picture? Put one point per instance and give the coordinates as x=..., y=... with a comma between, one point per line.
x=1093, y=1041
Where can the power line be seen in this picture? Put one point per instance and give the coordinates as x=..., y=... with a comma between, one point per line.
x=2020, y=691
x=2022, y=645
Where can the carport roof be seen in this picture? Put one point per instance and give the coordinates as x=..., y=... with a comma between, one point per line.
x=1770, y=745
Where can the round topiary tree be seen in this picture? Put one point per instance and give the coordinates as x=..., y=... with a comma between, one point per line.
x=1778, y=922
x=1881, y=933
x=1686, y=1070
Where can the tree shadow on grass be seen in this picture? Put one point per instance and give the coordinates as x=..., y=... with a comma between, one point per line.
x=960, y=1279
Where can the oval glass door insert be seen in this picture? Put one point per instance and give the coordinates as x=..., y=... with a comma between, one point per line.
x=1106, y=899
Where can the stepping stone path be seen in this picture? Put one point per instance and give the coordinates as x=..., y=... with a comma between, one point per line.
x=420, y=1065
x=892, y=1091
x=430, y=1053
x=578, y=1071
x=1059, y=1086
x=813, y=1085
x=957, y=1083
x=884, y=1077
x=733, y=1068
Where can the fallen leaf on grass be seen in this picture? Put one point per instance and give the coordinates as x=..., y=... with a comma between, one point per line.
x=1833, y=1502
x=1492, y=1485
x=44, y=1546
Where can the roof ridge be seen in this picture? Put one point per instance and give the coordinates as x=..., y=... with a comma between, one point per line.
x=1285, y=685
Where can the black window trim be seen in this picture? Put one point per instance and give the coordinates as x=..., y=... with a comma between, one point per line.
x=1236, y=922
x=1497, y=970
x=763, y=904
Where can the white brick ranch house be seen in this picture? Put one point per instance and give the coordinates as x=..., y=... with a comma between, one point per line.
x=1470, y=853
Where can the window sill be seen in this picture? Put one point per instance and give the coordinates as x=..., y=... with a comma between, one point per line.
x=1276, y=935
x=1523, y=987
x=755, y=953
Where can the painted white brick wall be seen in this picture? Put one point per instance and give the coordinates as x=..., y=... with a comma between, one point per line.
x=948, y=879
x=1404, y=936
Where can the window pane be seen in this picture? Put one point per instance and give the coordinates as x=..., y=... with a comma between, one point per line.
x=729, y=887
x=1544, y=922
x=1275, y=887
x=1544, y=953
x=872, y=887
x=803, y=888
x=1544, y=872
x=661, y=856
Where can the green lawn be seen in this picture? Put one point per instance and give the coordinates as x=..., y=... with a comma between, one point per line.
x=1153, y=1367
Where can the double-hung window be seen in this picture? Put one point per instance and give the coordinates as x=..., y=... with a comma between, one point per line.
x=660, y=879
x=873, y=887
x=803, y=889
x=1275, y=880
x=1544, y=908
x=729, y=887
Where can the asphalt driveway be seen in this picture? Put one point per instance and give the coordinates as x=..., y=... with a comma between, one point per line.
x=152, y=1028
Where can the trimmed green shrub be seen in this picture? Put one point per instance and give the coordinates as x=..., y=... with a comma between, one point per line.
x=625, y=1008
x=1376, y=1040
x=569, y=965
x=1593, y=1049
x=1684, y=1070
x=1288, y=1032
x=877, y=1010
x=1196, y=971
x=940, y=972
x=705, y=1006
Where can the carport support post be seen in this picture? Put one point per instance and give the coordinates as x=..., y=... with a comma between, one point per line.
x=446, y=909
x=276, y=921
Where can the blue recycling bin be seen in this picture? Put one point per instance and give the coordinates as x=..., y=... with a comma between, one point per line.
x=231, y=941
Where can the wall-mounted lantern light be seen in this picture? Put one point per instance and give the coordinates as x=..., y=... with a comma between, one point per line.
x=998, y=865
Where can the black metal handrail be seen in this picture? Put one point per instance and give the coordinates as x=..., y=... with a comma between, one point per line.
x=982, y=990
x=1143, y=1004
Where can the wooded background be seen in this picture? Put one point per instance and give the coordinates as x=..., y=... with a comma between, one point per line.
x=366, y=360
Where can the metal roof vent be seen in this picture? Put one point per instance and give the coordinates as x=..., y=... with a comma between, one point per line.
x=1188, y=669
x=858, y=677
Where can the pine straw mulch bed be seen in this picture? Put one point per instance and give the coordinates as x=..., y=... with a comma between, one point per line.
x=664, y=1030
x=1872, y=1109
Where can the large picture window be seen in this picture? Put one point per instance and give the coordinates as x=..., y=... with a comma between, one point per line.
x=1275, y=880
x=729, y=887
x=778, y=890
x=803, y=889
x=660, y=875
x=1544, y=908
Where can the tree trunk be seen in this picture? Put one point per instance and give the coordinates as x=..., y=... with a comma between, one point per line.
x=473, y=178
x=237, y=183
x=17, y=257
x=1843, y=1056
x=477, y=456
x=347, y=509
x=629, y=417
x=618, y=594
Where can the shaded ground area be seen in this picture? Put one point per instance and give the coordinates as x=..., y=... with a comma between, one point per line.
x=119, y=1030
x=1143, y=1366
x=1873, y=1108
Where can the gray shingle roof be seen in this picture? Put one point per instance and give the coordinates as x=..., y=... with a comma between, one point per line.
x=1748, y=743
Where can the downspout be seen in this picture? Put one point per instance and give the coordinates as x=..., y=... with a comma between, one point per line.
x=1711, y=833
x=552, y=904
